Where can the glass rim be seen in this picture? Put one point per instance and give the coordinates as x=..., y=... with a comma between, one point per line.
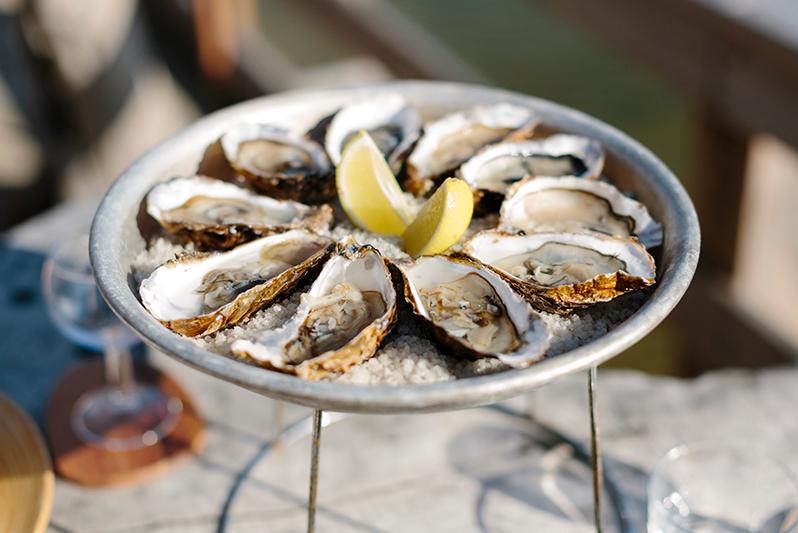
x=56, y=263
x=747, y=449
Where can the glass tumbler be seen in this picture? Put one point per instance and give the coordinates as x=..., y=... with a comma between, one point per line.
x=721, y=488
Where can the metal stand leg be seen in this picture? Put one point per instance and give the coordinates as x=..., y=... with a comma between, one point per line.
x=594, y=447
x=314, y=469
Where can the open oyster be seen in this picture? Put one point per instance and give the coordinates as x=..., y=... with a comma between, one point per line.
x=497, y=167
x=340, y=321
x=473, y=311
x=278, y=162
x=389, y=120
x=576, y=204
x=449, y=141
x=563, y=271
x=219, y=215
x=199, y=295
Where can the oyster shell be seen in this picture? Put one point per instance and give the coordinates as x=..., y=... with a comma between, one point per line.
x=389, y=120
x=340, y=321
x=576, y=204
x=564, y=271
x=219, y=215
x=473, y=311
x=201, y=294
x=279, y=163
x=497, y=167
x=455, y=138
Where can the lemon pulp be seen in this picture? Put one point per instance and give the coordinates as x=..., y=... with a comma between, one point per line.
x=442, y=220
x=368, y=190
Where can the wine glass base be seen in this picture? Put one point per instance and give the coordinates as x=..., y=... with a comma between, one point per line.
x=122, y=420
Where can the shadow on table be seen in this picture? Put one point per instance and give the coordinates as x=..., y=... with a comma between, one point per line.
x=540, y=468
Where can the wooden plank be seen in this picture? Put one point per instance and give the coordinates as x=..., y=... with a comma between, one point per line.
x=731, y=68
x=642, y=31
x=715, y=332
x=776, y=21
x=401, y=44
x=720, y=158
x=762, y=99
x=216, y=35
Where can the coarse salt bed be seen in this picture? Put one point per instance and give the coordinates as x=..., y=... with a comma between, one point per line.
x=406, y=356
x=159, y=252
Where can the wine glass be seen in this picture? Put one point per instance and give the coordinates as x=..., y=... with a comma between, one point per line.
x=123, y=414
x=721, y=488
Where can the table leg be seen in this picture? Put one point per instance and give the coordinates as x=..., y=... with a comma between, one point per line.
x=314, y=469
x=595, y=451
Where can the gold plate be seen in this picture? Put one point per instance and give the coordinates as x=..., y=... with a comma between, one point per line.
x=26, y=473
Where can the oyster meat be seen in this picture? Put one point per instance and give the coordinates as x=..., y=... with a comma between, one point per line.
x=340, y=321
x=279, y=163
x=564, y=271
x=472, y=311
x=389, y=120
x=219, y=215
x=453, y=139
x=575, y=204
x=201, y=294
x=497, y=167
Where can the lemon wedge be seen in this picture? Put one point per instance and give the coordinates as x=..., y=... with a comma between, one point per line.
x=442, y=220
x=368, y=190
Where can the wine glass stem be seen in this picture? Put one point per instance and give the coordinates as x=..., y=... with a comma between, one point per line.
x=119, y=368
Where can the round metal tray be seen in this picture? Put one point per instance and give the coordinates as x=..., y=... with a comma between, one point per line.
x=115, y=242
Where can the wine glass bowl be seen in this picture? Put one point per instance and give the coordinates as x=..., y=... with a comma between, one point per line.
x=75, y=305
x=122, y=414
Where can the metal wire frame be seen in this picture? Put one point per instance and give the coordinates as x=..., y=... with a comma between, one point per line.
x=313, y=425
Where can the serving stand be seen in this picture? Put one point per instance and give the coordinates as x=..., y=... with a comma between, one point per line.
x=116, y=241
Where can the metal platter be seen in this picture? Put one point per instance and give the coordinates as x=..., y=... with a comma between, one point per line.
x=115, y=242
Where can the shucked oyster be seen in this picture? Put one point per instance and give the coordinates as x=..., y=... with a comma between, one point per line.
x=219, y=215
x=449, y=141
x=340, y=322
x=472, y=311
x=389, y=120
x=576, y=204
x=279, y=163
x=199, y=295
x=563, y=271
x=497, y=167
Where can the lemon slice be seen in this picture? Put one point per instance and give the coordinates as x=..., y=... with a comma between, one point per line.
x=442, y=220
x=368, y=190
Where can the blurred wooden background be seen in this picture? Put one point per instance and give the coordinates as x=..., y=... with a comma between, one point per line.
x=708, y=85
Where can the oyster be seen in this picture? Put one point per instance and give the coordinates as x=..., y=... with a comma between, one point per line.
x=340, y=321
x=219, y=215
x=497, y=167
x=455, y=138
x=279, y=163
x=199, y=295
x=575, y=204
x=473, y=311
x=389, y=120
x=563, y=271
